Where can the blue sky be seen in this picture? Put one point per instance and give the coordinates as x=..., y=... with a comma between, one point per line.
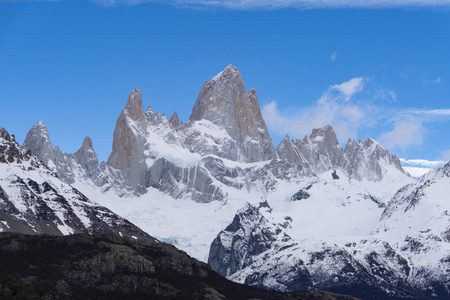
x=380, y=69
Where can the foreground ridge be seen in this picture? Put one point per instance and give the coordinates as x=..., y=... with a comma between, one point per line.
x=105, y=267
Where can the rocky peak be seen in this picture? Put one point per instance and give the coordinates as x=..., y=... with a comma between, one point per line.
x=231, y=74
x=218, y=97
x=286, y=150
x=5, y=135
x=38, y=142
x=321, y=150
x=324, y=135
x=225, y=102
x=367, y=159
x=10, y=151
x=130, y=137
x=87, y=145
x=150, y=115
x=249, y=235
x=175, y=121
x=134, y=108
x=87, y=157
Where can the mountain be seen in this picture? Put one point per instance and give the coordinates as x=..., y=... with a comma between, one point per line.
x=321, y=152
x=34, y=200
x=104, y=267
x=417, y=221
x=225, y=102
x=225, y=144
x=189, y=184
x=81, y=167
x=404, y=254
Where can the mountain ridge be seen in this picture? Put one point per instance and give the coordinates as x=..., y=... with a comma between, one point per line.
x=189, y=183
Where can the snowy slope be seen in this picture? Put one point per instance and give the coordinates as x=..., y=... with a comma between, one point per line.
x=34, y=200
x=405, y=252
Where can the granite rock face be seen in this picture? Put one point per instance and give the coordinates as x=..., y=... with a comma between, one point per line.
x=225, y=102
x=129, y=142
x=38, y=142
x=322, y=152
x=249, y=235
x=82, y=166
x=368, y=160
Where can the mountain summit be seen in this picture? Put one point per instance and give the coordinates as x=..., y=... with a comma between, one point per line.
x=225, y=102
x=129, y=140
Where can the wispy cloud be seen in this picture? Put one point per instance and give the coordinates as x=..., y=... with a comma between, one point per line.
x=333, y=56
x=405, y=134
x=422, y=163
x=353, y=106
x=274, y=4
x=278, y=4
x=409, y=127
x=333, y=108
x=432, y=112
x=349, y=88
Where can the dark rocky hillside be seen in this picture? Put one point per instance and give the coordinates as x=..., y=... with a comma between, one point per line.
x=84, y=266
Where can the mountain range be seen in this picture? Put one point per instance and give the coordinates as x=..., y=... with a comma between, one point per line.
x=305, y=214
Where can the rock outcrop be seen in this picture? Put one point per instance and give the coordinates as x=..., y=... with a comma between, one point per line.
x=225, y=102
x=322, y=152
x=129, y=142
x=258, y=252
x=106, y=267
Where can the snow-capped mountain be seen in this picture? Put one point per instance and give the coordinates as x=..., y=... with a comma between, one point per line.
x=225, y=102
x=225, y=144
x=403, y=254
x=33, y=200
x=328, y=219
x=81, y=167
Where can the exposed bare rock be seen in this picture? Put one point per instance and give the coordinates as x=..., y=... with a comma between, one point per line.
x=225, y=102
x=129, y=142
x=106, y=267
x=175, y=121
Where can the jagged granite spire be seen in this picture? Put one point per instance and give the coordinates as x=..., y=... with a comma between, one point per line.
x=225, y=102
x=38, y=142
x=175, y=121
x=134, y=109
x=286, y=150
x=367, y=159
x=129, y=142
x=87, y=158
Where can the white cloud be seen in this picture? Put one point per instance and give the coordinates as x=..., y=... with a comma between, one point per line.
x=350, y=114
x=404, y=135
x=278, y=4
x=273, y=4
x=419, y=167
x=386, y=95
x=349, y=88
x=333, y=56
x=432, y=112
x=335, y=109
x=423, y=162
